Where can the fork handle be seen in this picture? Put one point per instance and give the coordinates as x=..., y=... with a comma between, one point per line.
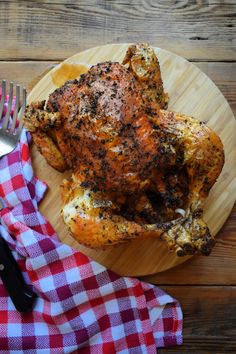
x=21, y=295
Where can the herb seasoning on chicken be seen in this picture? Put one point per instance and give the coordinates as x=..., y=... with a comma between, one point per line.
x=138, y=170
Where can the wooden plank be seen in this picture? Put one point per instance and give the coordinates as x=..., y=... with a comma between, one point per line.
x=209, y=319
x=223, y=74
x=27, y=73
x=56, y=30
x=24, y=73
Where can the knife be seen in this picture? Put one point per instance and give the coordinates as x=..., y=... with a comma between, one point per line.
x=20, y=293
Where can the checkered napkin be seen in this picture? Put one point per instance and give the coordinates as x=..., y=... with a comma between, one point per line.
x=81, y=306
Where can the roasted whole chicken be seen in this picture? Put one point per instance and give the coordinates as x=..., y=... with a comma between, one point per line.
x=138, y=170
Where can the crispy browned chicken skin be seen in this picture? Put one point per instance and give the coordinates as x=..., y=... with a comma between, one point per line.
x=138, y=170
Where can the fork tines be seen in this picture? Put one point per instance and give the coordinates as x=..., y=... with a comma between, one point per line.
x=11, y=127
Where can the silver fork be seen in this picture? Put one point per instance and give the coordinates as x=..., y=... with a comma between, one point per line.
x=21, y=295
x=9, y=133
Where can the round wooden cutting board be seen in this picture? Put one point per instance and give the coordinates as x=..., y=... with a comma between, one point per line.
x=191, y=92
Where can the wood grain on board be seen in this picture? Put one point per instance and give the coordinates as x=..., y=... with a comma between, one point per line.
x=198, y=270
x=191, y=92
x=219, y=267
x=42, y=30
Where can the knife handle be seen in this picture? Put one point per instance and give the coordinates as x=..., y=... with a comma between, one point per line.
x=21, y=295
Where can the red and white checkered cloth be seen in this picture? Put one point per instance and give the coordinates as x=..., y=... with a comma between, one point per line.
x=81, y=305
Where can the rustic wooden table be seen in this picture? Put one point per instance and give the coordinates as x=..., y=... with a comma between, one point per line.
x=37, y=34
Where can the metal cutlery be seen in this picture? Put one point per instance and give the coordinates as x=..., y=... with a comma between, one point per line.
x=21, y=295
x=9, y=131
